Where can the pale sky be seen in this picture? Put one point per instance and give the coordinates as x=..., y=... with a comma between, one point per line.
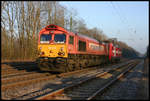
x=125, y=20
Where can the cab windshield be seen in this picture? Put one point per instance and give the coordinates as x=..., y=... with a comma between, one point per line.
x=60, y=38
x=45, y=38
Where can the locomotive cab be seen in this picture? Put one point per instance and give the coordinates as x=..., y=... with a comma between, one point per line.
x=52, y=47
x=52, y=42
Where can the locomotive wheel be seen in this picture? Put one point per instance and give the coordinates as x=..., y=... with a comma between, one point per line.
x=80, y=65
x=67, y=68
x=39, y=66
x=83, y=64
x=76, y=66
x=70, y=67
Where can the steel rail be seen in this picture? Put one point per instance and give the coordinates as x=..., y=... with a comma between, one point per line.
x=57, y=92
x=110, y=83
x=17, y=84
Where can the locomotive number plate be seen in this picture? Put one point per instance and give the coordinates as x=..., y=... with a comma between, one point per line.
x=51, y=47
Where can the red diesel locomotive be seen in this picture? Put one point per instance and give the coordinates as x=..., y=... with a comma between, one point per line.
x=63, y=51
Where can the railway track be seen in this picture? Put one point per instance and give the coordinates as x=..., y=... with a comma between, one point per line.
x=10, y=65
x=11, y=70
x=10, y=74
x=36, y=79
x=84, y=90
x=12, y=82
x=23, y=78
x=18, y=71
x=14, y=71
x=64, y=79
x=20, y=78
x=124, y=88
x=13, y=86
x=16, y=74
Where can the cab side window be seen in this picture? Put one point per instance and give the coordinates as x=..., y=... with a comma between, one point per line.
x=82, y=46
x=71, y=40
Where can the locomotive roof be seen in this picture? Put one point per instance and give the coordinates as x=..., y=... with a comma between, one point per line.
x=89, y=38
x=52, y=26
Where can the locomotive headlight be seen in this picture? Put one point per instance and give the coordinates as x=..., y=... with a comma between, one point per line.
x=39, y=51
x=40, y=48
x=61, y=51
x=42, y=53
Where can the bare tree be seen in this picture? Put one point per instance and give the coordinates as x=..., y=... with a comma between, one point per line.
x=21, y=22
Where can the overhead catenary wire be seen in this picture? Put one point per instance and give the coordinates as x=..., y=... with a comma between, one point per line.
x=125, y=20
x=122, y=18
